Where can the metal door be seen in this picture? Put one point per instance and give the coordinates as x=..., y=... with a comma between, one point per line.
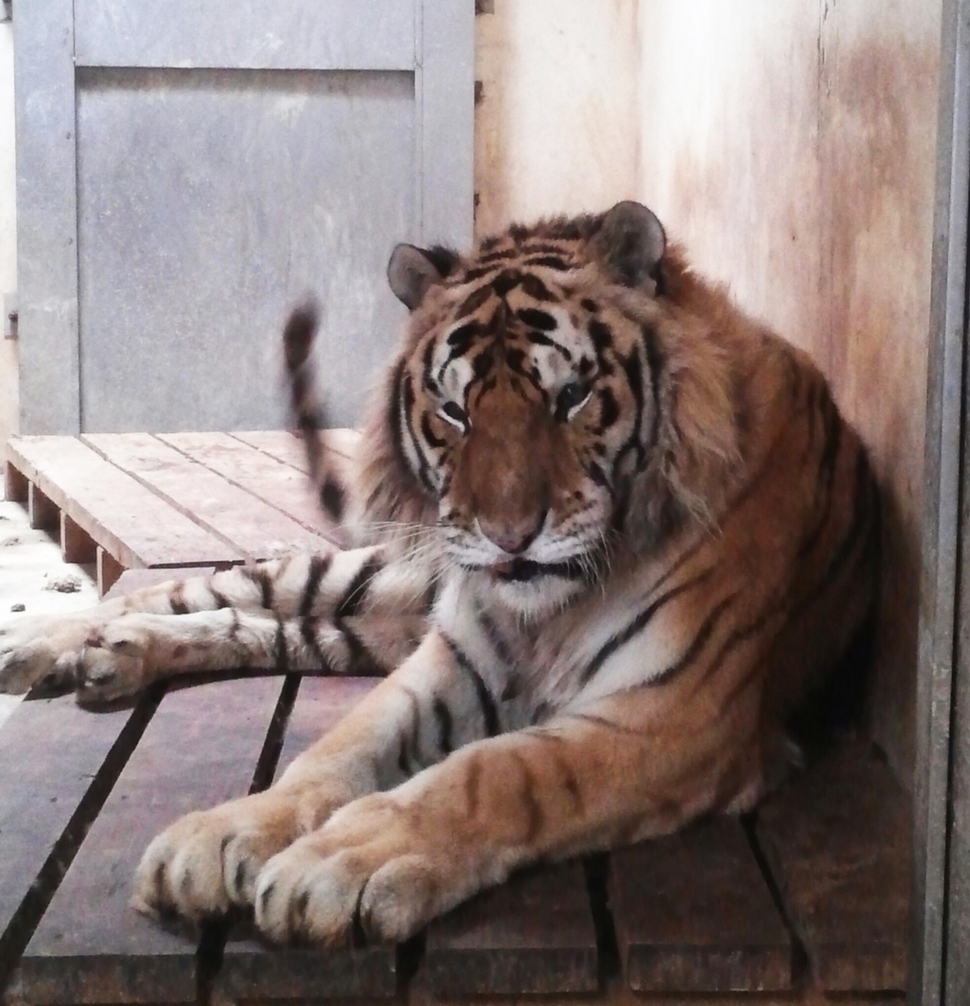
x=187, y=170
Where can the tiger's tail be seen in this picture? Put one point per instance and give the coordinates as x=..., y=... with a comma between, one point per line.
x=307, y=411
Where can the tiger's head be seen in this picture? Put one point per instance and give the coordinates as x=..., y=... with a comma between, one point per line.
x=536, y=410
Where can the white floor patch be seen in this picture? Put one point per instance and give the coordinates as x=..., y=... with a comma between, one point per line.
x=34, y=579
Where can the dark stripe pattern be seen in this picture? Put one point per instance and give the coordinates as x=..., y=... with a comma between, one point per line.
x=485, y=700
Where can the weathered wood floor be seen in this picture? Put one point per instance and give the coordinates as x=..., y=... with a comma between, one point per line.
x=812, y=892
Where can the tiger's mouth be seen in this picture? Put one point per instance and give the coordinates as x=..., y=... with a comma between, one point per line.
x=524, y=570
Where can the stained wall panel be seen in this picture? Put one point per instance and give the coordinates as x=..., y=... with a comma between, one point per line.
x=791, y=148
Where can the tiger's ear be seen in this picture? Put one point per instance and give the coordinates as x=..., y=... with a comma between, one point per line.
x=630, y=243
x=411, y=271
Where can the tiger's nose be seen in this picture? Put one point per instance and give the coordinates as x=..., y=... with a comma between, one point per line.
x=512, y=539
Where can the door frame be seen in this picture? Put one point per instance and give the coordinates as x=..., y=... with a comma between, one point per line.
x=941, y=835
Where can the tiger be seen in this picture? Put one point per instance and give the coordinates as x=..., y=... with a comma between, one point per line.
x=609, y=538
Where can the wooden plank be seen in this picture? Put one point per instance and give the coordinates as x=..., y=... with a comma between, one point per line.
x=109, y=570
x=288, y=447
x=41, y=512
x=201, y=747
x=125, y=518
x=279, y=444
x=278, y=484
x=76, y=544
x=252, y=972
x=694, y=914
x=534, y=934
x=60, y=761
x=343, y=441
x=15, y=484
x=838, y=843
x=257, y=529
x=320, y=704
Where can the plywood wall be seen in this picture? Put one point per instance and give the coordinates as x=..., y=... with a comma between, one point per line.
x=556, y=121
x=790, y=145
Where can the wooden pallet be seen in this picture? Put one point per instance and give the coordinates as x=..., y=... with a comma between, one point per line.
x=810, y=892
x=133, y=500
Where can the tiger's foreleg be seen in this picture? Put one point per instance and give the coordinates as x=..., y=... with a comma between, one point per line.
x=431, y=705
x=136, y=649
x=331, y=585
x=399, y=858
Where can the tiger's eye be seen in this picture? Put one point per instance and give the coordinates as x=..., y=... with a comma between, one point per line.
x=570, y=398
x=453, y=413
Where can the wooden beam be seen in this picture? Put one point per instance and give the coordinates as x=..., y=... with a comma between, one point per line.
x=109, y=569
x=76, y=544
x=15, y=484
x=41, y=512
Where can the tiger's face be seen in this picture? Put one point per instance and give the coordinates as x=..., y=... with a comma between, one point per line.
x=524, y=406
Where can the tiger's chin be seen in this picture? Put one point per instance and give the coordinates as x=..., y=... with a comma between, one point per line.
x=534, y=589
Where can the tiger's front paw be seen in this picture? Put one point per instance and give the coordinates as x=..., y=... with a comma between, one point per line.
x=37, y=650
x=366, y=865
x=209, y=860
x=113, y=663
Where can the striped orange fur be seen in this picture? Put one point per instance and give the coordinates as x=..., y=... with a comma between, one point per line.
x=612, y=540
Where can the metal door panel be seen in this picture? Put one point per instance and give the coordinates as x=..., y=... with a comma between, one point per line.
x=246, y=34
x=209, y=202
